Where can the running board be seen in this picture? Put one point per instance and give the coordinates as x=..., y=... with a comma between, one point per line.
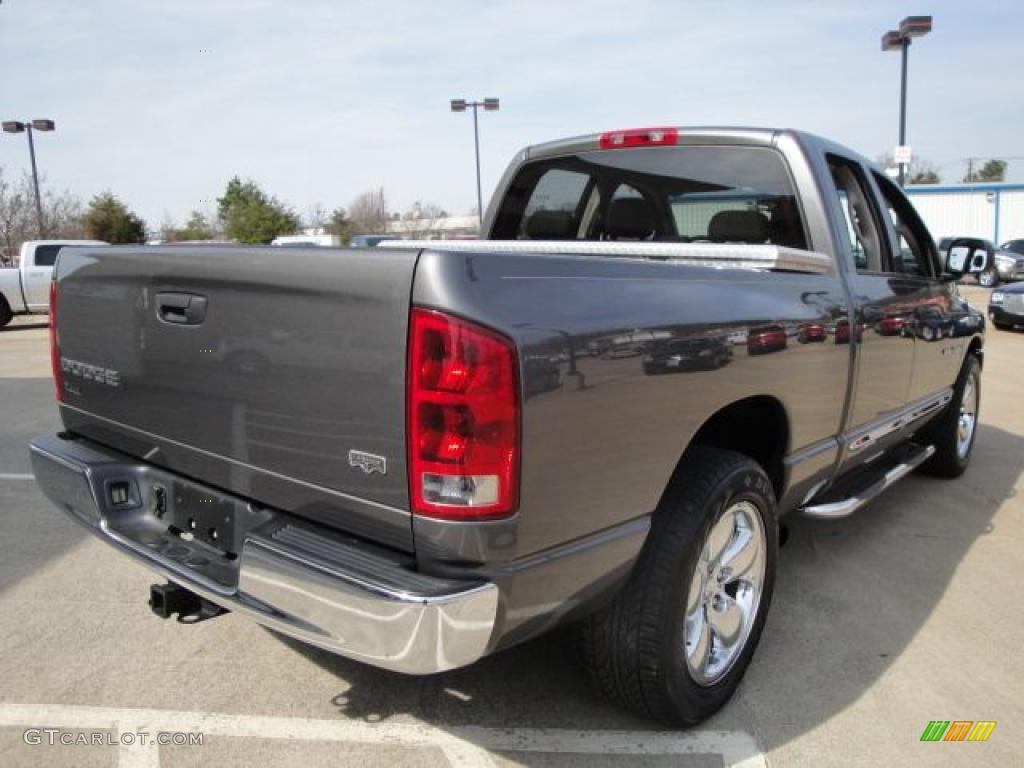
x=871, y=488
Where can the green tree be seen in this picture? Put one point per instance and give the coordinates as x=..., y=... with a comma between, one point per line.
x=339, y=224
x=196, y=228
x=249, y=215
x=107, y=218
x=992, y=170
x=926, y=175
x=919, y=171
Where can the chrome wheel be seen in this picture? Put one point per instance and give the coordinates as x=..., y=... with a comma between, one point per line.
x=968, y=417
x=725, y=593
x=988, y=279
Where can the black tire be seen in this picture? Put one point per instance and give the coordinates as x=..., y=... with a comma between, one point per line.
x=989, y=278
x=5, y=313
x=944, y=433
x=635, y=648
x=1003, y=326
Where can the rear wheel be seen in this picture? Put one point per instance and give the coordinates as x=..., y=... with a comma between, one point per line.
x=5, y=313
x=954, y=431
x=677, y=639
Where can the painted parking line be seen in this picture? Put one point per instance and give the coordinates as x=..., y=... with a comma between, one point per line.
x=16, y=476
x=464, y=747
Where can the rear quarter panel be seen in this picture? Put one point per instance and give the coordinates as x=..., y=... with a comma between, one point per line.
x=600, y=437
x=10, y=288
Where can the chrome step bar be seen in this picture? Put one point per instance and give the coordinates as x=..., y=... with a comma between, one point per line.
x=844, y=507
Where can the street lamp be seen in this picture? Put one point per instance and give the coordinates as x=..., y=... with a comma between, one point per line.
x=899, y=40
x=489, y=105
x=15, y=126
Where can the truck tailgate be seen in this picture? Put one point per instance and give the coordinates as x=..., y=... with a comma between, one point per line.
x=254, y=369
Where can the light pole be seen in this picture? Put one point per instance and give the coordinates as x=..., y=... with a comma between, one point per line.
x=489, y=105
x=899, y=40
x=16, y=126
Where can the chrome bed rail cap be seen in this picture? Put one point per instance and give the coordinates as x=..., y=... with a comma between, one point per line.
x=714, y=255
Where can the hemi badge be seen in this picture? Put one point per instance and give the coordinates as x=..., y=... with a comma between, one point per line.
x=368, y=462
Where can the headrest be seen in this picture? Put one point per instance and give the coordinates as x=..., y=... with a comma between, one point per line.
x=630, y=217
x=551, y=225
x=739, y=226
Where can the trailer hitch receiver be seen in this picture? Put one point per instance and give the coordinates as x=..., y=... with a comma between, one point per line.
x=168, y=599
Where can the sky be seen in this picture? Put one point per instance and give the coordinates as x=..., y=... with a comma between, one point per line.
x=163, y=102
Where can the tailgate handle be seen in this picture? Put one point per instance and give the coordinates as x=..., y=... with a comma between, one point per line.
x=181, y=308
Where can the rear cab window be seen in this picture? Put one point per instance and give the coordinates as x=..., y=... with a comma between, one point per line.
x=46, y=255
x=733, y=194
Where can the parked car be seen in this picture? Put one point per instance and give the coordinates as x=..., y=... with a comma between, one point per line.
x=932, y=324
x=1001, y=264
x=1014, y=246
x=891, y=325
x=25, y=289
x=301, y=241
x=811, y=332
x=399, y=494
x=680, y=355
x=1006, y=307
x=368, y=241
x=769, y=338
x=842, y=331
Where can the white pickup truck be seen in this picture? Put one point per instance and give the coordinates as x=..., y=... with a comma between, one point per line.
x=25, y=289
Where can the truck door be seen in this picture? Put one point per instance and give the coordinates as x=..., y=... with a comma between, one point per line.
x=882, y=346
x=940, y=322
x=36, y=275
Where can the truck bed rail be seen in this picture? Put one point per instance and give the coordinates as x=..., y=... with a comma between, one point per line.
x=714, y=255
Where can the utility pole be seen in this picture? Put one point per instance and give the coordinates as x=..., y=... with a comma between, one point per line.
x=16, y=126
x=899, y=39
x=489, y=105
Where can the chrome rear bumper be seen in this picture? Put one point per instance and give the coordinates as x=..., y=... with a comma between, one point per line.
x=301, y=580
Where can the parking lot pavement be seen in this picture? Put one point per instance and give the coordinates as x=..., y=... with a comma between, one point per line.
x=905, y=613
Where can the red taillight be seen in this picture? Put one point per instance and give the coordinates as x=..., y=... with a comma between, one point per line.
x=58, y=383
x=639, y=137
x=463, y=419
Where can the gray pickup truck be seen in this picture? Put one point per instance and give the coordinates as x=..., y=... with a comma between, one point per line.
x=422, y=453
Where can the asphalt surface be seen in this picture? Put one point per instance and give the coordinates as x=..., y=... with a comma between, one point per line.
x=905, y=613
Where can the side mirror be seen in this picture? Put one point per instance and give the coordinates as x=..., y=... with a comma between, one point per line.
x=966, y=257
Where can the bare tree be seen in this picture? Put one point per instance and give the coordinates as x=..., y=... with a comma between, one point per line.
x=168, y=229
x=369, y=212
x=423, y=221
x=17, y=217
x=317, y=217
x=62, y=215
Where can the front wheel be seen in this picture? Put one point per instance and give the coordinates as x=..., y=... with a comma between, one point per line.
x=679, y=636
x=989, y=278
x=5, y=313
x=954, y=431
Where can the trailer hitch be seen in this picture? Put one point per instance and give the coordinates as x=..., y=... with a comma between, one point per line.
x=168, y=599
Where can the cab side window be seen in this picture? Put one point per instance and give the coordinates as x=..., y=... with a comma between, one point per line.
x=862, y=229
x=916, y=255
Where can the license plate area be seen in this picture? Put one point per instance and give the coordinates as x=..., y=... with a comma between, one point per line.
x=203, y=516
x=177, y=521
